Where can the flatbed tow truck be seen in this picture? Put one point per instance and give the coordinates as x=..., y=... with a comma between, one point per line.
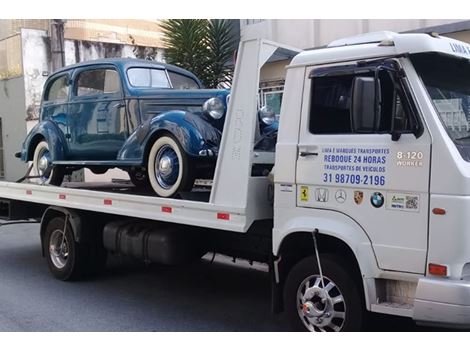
x=367, y=209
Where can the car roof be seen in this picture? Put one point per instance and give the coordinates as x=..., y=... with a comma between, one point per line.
x=125, y=63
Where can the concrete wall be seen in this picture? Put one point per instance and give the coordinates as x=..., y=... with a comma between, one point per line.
x=12, y=112
x=79, y=51
x=36, y=66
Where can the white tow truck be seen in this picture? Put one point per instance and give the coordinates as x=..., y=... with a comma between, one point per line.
x=369, y=206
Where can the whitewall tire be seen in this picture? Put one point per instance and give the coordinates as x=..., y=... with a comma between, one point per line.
x=43, y=172
x=169, y=169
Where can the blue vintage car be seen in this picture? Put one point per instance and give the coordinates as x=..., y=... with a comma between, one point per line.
x=150, y=119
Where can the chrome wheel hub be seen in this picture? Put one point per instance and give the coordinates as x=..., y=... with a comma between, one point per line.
x=44, y=164
x=167, y=167
x=321, y=309
x=59, y=249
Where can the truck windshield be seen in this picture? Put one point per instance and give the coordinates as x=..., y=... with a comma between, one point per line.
x=447, y=80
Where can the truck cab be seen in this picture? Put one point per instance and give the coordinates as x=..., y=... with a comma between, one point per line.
x=372, y=168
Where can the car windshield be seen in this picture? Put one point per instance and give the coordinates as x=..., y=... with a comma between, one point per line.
x=447, y=80
x=148, y=78
x=159, y=78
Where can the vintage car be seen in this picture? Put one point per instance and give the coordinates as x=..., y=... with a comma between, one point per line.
x=150, y=119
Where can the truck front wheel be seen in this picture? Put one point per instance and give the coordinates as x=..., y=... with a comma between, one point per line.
x=310, y=306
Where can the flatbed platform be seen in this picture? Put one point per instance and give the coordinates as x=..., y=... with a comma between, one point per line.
x=120, y=198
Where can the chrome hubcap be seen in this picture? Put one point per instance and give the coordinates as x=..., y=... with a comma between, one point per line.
x=59, y=249
x=321, y=309
x=166, y=167
x=44, y=164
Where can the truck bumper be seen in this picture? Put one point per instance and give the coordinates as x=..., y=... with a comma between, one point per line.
x=442, y=302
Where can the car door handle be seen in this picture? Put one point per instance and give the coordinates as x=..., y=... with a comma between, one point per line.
x=305, y=154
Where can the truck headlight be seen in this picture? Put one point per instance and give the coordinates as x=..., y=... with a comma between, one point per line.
x=267, y=115
x=214, y=107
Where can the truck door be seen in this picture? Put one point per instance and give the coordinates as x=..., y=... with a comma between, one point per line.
x=349, y=163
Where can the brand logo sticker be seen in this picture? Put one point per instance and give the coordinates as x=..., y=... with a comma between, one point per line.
x=377, y=199
x=403, y=202
x=358, y=197
x=304, y=193
x=321, y=195
x=340, y=196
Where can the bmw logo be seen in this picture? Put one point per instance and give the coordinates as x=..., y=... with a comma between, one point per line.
x=377, y=199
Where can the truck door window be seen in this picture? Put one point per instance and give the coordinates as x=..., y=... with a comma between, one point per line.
x=330, y=111
x=330, y=105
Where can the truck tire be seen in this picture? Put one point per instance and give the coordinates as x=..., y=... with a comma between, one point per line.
x=169, y=169
x=65, y=257
x=310, y=308
x=42, y=169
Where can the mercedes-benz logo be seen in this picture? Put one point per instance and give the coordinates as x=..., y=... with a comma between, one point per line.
x=340, y=196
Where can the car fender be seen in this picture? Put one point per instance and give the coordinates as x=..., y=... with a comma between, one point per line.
x=191, y=131
x=270, y=129
x=48, y=131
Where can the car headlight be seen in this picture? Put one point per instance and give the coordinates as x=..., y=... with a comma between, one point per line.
x=267, y=115
x=214, y=107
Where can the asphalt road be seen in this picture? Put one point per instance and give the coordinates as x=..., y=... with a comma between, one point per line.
x=130, y=296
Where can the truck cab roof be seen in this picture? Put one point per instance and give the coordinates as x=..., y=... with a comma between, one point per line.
x=379, y=44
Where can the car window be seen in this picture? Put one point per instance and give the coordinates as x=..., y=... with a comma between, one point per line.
x=98, y=81
x=182, y=82
x=58, y=90
x=148, y=77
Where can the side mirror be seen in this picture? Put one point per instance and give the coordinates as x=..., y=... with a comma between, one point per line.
x=398, y=125
x=365, y=104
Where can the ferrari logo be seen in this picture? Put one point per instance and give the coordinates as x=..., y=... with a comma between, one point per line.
x=304, y=193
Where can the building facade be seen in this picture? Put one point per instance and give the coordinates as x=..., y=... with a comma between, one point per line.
x=316, y=33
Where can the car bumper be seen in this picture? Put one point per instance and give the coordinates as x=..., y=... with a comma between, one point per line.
x=442, y=302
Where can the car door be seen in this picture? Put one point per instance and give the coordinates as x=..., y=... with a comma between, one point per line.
x=55, y=105
x=380, y=183
x=97, y=114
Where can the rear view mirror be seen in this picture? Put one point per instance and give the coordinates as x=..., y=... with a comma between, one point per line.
x=365, y=105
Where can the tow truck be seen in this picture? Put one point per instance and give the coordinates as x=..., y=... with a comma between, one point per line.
x=362, y=207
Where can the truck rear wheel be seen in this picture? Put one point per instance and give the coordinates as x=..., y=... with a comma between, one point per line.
x=65, y=257
x=311, y=307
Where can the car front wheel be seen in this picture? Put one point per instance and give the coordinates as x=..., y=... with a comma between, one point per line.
x=43, y=171
x=169, y=169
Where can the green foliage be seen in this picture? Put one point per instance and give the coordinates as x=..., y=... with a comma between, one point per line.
x=201, y=46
